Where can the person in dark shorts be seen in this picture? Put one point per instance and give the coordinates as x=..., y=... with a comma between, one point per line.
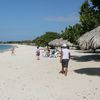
x=64, y=59
x=38, y=53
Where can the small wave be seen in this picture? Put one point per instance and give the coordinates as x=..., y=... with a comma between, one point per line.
x=5, y=47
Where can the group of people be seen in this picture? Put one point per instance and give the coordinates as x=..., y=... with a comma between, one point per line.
x=64, y=58
x=51, y=52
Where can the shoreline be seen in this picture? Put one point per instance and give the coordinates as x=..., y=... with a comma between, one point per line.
x=6, y=48
x=9, y=48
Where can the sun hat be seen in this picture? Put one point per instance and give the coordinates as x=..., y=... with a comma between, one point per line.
x=64, y=45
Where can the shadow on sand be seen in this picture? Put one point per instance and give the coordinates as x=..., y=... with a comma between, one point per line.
x=89, y=71
x=85, y=58
x=89, y=51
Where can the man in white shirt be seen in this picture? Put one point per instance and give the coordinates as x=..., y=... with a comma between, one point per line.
x=64, y=58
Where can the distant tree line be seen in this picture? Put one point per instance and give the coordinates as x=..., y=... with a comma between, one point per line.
x=28, y=42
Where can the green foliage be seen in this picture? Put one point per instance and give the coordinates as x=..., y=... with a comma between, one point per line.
x=72, y=33
x=89, y=19
x=96, y=4
x=28, y=42
x=46, y=38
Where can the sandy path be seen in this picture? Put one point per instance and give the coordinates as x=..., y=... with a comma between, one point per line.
x=22, y=77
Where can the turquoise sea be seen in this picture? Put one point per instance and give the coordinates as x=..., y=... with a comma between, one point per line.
x=5, y=47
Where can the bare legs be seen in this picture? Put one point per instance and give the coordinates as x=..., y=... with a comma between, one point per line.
x=64, y=71
x=38, y=57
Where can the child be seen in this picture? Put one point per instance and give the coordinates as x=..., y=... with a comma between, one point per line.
x=13, y=51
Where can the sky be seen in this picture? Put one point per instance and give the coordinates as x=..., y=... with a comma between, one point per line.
x=28, y=19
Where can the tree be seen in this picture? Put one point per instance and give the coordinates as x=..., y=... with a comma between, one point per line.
x=89, y=17
x=96, y=4
x=46, y=38
x=86, y=17
x=72, y=33
x=96, y=8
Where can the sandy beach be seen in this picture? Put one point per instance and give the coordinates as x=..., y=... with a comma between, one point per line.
x=23, y=77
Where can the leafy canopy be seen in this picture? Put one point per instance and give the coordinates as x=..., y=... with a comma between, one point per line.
x=46, y=38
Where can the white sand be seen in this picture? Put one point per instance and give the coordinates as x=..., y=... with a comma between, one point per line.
x=22, y=77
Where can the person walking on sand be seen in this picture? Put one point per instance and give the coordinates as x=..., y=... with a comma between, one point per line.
x=38, y=53
x=64, y=59
x=13, y=51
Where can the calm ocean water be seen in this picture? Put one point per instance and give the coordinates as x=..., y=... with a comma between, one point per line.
x=5, y=47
